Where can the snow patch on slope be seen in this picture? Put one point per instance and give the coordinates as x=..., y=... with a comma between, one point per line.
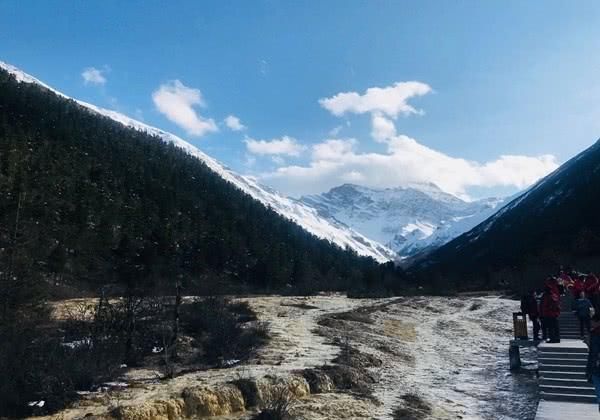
x=301, y=214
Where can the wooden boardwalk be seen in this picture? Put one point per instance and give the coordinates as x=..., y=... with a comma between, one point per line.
x=565, y=393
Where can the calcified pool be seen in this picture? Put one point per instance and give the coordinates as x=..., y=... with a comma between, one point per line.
x=453, y=352
x=450, y=352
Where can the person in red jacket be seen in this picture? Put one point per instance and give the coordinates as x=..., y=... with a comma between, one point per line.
x=577, y=287
x=550, y=311
x=566, y=281
x=552, y=284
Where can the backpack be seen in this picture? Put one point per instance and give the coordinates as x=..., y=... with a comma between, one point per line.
x=525, y=304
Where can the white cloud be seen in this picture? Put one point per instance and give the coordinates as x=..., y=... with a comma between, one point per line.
x=263, y=67
x=94, y=76
x=278, y=160
x=404, y=162
x=332, y=149
x=352, y=177
x=176, y=101
x=382, y=128
x=335, y=131
x=233, y=123
x=391, y=101
x=284, y=146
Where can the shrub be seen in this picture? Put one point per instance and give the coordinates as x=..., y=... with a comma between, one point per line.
x=279, y=405
x=243, y=310
x=249, y=390
x=216, y=324
x=38, y=367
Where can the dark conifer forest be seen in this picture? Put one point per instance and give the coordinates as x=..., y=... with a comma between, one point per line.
x=86, y=202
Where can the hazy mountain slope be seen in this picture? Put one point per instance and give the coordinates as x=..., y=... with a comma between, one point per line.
x=556, y=221
x=299, y=213
x=407, y=220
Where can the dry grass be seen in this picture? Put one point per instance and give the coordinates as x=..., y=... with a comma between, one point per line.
x=399, y=329
x=354, y=316
x=413, y=408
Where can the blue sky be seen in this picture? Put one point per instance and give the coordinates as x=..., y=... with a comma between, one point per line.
x=481, y=98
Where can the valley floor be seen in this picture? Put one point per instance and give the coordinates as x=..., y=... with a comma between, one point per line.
x=436, y=358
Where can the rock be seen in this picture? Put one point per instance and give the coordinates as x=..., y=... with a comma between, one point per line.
x=260, y=392
x=298, y=386
x=154, y=410
x=350, y=378
x=218, y=401
x=355, y=358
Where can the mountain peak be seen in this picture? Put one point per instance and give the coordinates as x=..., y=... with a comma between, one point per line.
x=427, y=188
x=405, y=218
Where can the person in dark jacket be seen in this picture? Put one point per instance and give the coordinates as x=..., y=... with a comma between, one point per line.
x=592, y=290
x=529, y=307
x=593, y=362
x=550, y=310
x=543, y=317
x=582, y=307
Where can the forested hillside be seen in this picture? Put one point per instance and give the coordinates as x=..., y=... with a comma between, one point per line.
x=86, y=202
x=555, y=222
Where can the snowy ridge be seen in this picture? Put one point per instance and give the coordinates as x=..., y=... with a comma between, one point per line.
x=406, y=219
x=301, y=214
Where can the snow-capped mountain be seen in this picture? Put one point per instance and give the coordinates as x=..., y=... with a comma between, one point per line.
x=298, y=212
x=408, y=219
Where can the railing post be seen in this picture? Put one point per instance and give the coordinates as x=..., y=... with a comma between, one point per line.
x=514, y=356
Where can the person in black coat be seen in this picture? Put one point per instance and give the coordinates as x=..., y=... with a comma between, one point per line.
x=593, y=363
x=529, y=306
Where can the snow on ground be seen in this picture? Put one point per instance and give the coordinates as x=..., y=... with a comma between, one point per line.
x=452, y=352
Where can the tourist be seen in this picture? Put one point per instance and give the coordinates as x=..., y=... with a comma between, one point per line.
x=591, y=289
x=582, y=307
x=593, y=362
x=577, y=287
x=565, y=282
x=552, y=283
x=550, y=311
x=530, y=308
